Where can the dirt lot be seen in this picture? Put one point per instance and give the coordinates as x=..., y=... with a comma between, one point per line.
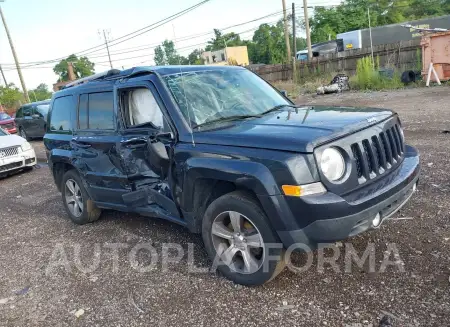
x=43, y=282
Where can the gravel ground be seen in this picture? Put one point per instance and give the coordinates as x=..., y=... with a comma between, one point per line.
x=48, y=274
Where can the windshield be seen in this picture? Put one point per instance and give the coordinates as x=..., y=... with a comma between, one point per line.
x=218, y=94
x=43, y=109
x=4, y=116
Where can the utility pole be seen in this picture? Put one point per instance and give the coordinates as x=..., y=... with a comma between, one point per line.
x=4, y=79
x=294, y=36
x=107, y=48
x=286, y=32
x=370, y=33
x=16, y=60
x=308, y=32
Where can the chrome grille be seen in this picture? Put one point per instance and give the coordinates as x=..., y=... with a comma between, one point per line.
x=9, y=152
x=377, y=154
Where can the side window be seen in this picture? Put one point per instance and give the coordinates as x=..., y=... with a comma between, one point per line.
x=19, y=113
x=83, y=112
x=60, y=118
x=142, y=110
x=96, y=111
x=26, y=111
x=101, y=110
x=35, y=112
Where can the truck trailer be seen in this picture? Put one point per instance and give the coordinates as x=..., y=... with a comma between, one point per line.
x=391, y=33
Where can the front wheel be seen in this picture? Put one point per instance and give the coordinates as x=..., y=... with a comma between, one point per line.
x=79, y=206
x=240, y=241
x=24, y=134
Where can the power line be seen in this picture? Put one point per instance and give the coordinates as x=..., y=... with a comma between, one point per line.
x=185, y=38
x=181, y=39
x=128, y=36
x=146, y=55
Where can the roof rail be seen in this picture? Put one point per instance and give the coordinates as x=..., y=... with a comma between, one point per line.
x=94, y=77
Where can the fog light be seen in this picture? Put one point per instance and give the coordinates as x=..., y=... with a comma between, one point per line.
x=377, y=220
x=415, y=187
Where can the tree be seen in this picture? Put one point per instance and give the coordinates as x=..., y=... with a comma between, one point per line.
x=82, y=67
x=10, y=96
x=268, y=45
x=166, y=54
x=220, y=41
x=195, y=57
x=40, y=93
x=428, y=8
x=352, y=15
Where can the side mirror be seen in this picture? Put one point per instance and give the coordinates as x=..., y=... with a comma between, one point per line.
x=284, y=93
x=158, y=156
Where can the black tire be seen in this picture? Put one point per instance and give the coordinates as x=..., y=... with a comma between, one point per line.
x=245, y=204
x=90, y=212
x=24, y=134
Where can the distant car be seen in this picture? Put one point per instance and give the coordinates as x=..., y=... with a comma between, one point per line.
x=31, y=119
x=7, y=123
x=15, y=153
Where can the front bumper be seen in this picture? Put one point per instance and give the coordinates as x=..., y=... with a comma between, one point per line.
x=22, y=160
x=328, y=218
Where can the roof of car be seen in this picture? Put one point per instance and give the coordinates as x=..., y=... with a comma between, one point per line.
x=169, y=70
x=108, y=78
x=36, y=103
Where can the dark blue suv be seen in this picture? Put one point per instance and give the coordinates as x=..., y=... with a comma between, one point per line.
x=220, y=151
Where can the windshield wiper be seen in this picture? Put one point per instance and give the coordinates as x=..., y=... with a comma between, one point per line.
x=277, y=108
x=225, y=119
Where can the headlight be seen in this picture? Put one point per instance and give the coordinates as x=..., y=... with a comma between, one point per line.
x=332, y=164
x=26, y=146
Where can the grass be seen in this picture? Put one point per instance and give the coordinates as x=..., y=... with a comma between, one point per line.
x=368, y=77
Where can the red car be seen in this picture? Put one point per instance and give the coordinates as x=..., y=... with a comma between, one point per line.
x=7, y=123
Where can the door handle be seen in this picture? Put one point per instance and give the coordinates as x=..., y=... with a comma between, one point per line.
x=81, y=145
x=137, y=141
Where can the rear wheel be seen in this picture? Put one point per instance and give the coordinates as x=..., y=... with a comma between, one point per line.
x=79, y=206
x=239, y=239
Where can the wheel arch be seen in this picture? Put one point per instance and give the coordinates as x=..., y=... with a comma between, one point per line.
x=207, y=179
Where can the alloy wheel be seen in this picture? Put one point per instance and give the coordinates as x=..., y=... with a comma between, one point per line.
x=23, y=133
x=74, y=198
x=238, y=242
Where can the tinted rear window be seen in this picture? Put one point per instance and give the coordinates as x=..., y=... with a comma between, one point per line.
x=60, y=119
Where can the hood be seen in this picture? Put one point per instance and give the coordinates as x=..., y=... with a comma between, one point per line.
x=294, y=129
x=7, y=141
x=6, y=121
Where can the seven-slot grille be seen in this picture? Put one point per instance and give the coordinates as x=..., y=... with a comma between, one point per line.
x=378, y=154
x=9, y=152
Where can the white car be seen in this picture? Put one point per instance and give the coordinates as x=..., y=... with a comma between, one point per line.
x=15, y=153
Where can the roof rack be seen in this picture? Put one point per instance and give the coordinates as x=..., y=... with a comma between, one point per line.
x=99, y=76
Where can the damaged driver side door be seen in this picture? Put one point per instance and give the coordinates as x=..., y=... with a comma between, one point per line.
x=145, y=149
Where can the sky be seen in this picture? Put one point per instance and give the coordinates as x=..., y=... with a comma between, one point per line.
x=50, y=29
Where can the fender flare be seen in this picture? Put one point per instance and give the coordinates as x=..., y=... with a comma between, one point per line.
x=249, y=175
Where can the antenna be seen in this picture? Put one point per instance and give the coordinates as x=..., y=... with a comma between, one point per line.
x=184, y=91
